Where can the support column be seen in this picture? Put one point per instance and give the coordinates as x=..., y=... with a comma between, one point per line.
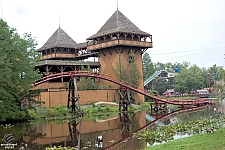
x=124, y=99
x=61, y=69
x=74, y=97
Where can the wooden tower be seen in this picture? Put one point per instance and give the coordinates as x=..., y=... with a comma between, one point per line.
x=120, y=41
x=61, y=54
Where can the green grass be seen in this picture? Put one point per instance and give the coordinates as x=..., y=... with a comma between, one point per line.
x=208, y=141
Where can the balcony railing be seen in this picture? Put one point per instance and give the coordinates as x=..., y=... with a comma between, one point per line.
x=49, y=56
x=120, y=42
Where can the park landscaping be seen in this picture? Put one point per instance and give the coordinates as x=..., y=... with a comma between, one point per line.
x=208, y=141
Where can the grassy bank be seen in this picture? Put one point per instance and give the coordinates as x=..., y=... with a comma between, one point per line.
x=60, y=112
x=208, y=141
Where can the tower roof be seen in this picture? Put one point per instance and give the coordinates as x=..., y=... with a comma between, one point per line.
x=118, y=22
x=59, y=39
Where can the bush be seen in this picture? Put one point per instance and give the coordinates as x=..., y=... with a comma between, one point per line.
x=99, y=108
x=32, y=114
x=107, y=109
x=145, y=105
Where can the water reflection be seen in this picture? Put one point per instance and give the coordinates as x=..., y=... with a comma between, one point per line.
x=99, y=133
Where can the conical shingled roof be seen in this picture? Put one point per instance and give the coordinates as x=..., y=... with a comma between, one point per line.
x=59, y=39
x=118, y=22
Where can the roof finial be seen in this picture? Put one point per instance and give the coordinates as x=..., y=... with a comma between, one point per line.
x=117, y=4
x=59, y=19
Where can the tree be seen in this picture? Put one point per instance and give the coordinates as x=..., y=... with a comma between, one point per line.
x=87, y=83
x=215, y=74
x=148, y=67
x=189, y=79
x=131, y=74
x=17, y=62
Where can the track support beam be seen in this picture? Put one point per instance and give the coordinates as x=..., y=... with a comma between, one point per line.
x=124, y=102
x=73, y=98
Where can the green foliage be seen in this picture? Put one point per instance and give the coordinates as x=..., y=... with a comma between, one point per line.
x=190, y=79
x=131, y=74
x=210, y=141
x=99, y=111
x=148, y=66
x=87, y=83
x=166, y=133
x=17, y=62
x=59, y=111
x=145, y=105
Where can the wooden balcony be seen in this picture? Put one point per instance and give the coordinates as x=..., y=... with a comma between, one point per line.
x=120, y=42
x=50, y=56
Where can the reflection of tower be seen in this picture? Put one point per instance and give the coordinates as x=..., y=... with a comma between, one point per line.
x=75, y=133
x=126, y=123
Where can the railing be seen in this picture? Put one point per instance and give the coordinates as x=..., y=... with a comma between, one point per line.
x=119, y=42
x=57, y=56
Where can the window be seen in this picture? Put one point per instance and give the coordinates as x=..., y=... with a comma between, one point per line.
x=114, y=38
x=131, y=59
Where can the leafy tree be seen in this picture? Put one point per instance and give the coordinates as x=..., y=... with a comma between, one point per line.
x=131, y=74
x=148, y=67
x=161, y=85
x=215, y=74
x=17, y=62
x=189, y=79
x=87, y=83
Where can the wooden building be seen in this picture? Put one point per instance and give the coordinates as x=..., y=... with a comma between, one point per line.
x=120, y=41
x=117, y=41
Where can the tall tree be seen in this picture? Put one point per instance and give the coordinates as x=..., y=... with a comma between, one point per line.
x=17, y=62
x=148, y=67
x=190, y=79
x=215, y=74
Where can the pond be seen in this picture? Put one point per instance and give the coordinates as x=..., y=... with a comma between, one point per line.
x=115, y=131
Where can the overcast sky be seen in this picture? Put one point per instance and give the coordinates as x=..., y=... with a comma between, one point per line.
x=182, y=30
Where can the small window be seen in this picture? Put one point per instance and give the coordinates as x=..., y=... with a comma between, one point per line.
x=131, y=59
x=114, y=38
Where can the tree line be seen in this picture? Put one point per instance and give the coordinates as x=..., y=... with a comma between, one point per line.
x=190, y=77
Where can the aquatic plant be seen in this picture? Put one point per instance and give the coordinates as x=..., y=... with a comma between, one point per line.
x=166, y=133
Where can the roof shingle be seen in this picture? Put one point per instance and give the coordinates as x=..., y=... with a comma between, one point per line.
x=118, y=22
x=59, y=39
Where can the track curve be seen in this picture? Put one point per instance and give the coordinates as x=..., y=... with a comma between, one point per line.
x=118, y=82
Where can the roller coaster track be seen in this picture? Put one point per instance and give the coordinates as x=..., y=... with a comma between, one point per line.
x=130, y=138
x=120, y=82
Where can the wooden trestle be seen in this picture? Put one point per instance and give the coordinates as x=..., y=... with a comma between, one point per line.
x=124, y=99
x=74, y=97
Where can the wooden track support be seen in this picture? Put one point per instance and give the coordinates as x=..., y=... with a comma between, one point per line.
x=74, y=97
x=124, y=102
